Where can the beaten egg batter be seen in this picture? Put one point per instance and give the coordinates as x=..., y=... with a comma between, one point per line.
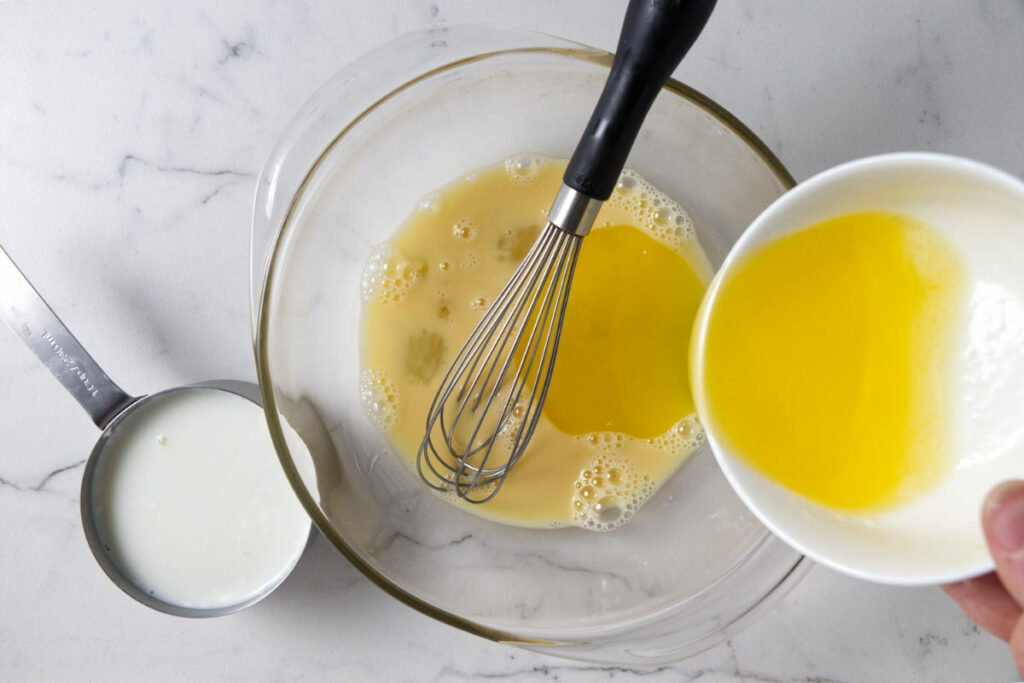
x=828, y=356
x=619, y=416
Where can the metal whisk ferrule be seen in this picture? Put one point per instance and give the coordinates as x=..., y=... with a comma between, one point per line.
x=486, y=410
x=490, y=400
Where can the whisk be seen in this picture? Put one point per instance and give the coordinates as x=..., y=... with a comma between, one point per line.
x=489, y=401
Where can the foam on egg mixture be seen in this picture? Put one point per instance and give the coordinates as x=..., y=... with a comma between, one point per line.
x=619, y=417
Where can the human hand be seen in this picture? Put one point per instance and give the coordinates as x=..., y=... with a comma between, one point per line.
x=994, y=601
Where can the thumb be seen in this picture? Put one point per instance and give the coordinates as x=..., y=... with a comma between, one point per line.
x=1003, y=521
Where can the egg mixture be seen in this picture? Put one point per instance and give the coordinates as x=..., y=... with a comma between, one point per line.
x=828, y=359
x=619, y=416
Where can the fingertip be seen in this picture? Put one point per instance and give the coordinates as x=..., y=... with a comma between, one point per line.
x=1003, y=516
x=1001, y=491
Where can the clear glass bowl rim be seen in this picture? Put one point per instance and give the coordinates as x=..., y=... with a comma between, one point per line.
x=260, y=311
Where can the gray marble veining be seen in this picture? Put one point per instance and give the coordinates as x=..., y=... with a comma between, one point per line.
x=130, y=138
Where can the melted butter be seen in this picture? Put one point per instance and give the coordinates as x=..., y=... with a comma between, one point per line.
x=622, y=364
x=828, y=359
x=618, y=419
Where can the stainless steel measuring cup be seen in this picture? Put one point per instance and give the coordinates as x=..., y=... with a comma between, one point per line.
x=110, y=407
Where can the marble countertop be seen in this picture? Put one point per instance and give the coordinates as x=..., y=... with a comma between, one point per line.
x=130, y=138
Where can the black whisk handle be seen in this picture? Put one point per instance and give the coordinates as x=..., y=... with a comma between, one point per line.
x=655, y=36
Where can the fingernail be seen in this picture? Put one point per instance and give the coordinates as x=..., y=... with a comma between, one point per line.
x=1004, y=515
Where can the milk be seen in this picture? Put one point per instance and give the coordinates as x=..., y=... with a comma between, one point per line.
x=191, y=502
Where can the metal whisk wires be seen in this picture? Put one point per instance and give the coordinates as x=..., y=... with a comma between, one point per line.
x=488, y=404
x=482, y=418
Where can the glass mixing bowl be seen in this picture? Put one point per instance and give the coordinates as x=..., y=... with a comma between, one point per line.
x=693, y=564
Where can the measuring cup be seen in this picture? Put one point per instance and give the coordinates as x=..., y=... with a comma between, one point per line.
x=110, y=408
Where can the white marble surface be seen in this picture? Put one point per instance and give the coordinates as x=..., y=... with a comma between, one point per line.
x=130, y=137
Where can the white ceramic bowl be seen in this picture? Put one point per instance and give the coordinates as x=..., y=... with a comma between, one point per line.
x=937, y=537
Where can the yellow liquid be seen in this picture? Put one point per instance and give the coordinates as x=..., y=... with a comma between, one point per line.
x=619, y=416
x=827, y=359
x=622, y=362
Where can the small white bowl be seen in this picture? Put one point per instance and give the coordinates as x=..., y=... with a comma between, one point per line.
x=937, y=537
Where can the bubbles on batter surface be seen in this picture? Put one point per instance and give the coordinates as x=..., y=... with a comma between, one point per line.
x=388, y=277
x=465, y=229
x=378, y=398
x=471, y=261
x=652, y=210
x=523, y=169
x=683, y=438
x=608, y=492
x=430, y=204
x=479, y=304
x=512, y=425
x=608, y=443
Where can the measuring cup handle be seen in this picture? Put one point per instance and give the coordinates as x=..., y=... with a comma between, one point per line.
x=25, y=312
